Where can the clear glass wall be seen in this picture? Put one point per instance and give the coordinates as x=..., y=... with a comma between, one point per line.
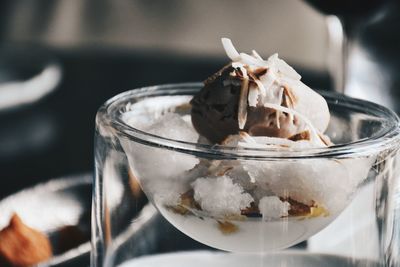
x=336, y=206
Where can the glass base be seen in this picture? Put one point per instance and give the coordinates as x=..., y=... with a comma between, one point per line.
x=223, y=259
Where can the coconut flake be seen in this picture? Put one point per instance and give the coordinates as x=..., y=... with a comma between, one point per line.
x=283, y=67
x=260, y=85
x=237, y=65
x=262, y=142
x=289, y=99
x=266, y=140
x=230, y=50
x=256, y=55
x=314, y=131
x=249, y=60
x=278, y=113
x=288, y=70
x=268, y=80
x=253, y=96
x=242, y=109
x=246, y=137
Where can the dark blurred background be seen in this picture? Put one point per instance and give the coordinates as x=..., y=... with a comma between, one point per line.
x=61, y=59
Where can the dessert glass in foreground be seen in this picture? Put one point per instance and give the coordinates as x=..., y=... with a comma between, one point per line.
x=206, y=190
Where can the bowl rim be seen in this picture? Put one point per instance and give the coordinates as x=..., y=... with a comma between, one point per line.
x=108, y=119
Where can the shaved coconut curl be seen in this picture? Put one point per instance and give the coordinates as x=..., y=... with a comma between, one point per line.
x=263, y=92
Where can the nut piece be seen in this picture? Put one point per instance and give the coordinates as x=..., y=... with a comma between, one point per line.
x=305, y=135
x=186, y=202
x=297, y=208
x=227, y=227
x=22, y=246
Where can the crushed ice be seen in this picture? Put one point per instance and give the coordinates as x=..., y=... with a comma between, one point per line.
x=220, y=196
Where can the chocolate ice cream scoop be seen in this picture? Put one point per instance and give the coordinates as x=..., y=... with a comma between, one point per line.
x=260, y=97
x=215, y=107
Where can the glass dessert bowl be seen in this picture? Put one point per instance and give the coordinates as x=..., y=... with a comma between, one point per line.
x=304, y=190
x=252, y=160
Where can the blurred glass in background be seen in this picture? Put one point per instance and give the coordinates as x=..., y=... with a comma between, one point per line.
x=364, y=33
